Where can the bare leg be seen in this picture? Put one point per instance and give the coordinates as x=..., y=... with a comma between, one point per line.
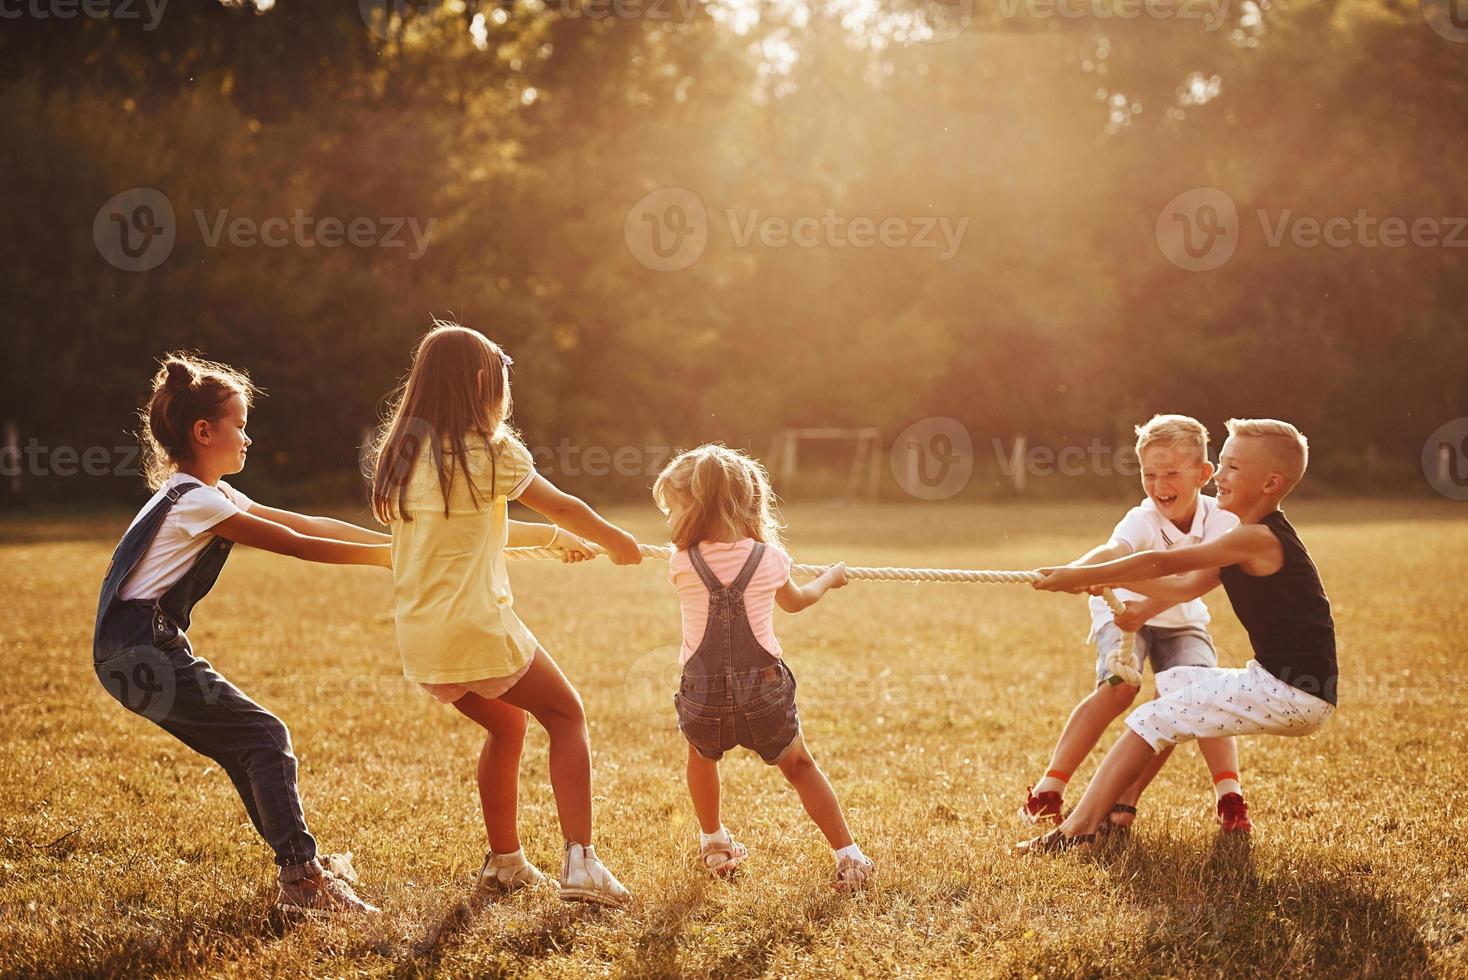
x=499, y=767
x=1087, y=723
x=816, y=794
x=703, y=786
x=1134, y=791
x=1126, y=761
x=1221, y=754
x=554, y=703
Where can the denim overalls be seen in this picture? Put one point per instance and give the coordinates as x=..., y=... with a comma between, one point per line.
x=143, y=658
x=733, y=692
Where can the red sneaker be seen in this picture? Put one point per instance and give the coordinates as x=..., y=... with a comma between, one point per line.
x=1233, y=815
x=1040, y=806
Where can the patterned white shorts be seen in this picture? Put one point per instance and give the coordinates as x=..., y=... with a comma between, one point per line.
x=1211, y=702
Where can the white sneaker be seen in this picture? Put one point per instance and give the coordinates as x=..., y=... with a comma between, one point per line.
x=585, y=879
x=505, y=873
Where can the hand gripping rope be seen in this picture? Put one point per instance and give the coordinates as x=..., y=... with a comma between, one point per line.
x=1122, y=663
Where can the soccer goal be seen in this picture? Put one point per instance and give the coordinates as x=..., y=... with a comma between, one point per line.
x=865, y=474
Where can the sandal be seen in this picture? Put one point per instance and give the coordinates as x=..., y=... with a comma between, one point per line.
x=852, y=874
x=722, y=857
x=1054, y=842
x=1108, y=826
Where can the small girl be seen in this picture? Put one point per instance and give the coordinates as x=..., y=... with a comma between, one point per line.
x=729, y=572
x=446, y=468
x=193, y=434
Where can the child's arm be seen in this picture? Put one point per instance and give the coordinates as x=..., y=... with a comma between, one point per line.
x=1138, y=611
x=574, y=515
x=1251, y=545
x=527, y=535
x=1174, y=589
x=793, y=598
x=257, y=532
x=1110, y=551
x=321, y=527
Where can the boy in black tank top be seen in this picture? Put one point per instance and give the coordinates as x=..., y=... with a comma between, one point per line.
x=1289, y=688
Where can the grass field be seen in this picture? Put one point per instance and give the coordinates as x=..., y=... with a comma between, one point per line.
x=931, y=707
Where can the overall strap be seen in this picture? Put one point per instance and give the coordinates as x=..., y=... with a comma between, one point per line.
x=178, y=491
x=750, y=564
x=710, y=581
x=135, y=543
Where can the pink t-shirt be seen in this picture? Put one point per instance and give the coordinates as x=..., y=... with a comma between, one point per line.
x=725, y=560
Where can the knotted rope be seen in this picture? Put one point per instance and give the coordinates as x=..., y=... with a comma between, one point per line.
x=1122, y=663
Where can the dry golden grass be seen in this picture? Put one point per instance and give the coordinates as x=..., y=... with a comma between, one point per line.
x=123, y=853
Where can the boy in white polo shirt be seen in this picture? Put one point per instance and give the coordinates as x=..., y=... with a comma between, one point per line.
x=1173, y=450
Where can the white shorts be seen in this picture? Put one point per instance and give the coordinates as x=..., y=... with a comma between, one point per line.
x=1211, y=702
x=489, y=689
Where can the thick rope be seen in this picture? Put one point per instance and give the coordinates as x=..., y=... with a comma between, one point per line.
x=1122, y=662
x=858, y=574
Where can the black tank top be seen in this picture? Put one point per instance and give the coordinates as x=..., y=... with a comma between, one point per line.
x=1287, y=615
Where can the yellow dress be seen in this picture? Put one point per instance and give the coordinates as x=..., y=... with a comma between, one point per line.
x=452, y=605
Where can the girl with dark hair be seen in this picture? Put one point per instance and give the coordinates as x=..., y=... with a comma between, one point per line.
x=193, y=435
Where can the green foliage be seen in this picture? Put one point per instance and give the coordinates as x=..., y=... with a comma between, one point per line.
x=526, y=134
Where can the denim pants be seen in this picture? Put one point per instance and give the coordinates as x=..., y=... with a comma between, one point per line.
x=142, y=656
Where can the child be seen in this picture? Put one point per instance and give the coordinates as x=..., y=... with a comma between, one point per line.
x=1290, y=686
x=1173, y=451
x=447, y=467
x=736, y=689
x=193, y=435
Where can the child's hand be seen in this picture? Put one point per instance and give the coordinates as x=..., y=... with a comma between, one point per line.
x=1060, y=580
x=1132, y=618
x=571, y=548
x=836, y=576
x=625, y=552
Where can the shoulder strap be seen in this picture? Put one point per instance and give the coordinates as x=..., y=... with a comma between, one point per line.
x=710, y=581
x=750, y=564
x=176, y=492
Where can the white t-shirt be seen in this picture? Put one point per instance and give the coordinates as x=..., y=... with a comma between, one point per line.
x=182, y=536
x=1144, y=529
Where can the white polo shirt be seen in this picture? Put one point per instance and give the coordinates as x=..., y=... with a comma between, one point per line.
x=182, y=536
x=1145, y=529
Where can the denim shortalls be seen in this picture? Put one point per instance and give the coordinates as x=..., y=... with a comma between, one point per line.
x=142, y=656
x=733, y=692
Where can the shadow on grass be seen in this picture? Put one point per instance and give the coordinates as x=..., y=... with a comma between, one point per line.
x=744, y=954
x=1206, y=913
x=184, y=945
x=555, y=932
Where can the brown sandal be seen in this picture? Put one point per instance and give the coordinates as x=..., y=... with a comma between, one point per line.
x=1108, y=827
x=1054, y=842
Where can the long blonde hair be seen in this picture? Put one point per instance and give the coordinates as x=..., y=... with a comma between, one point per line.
x=443, y=398
x=723, y=491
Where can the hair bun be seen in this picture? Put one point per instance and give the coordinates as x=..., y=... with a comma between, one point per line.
x=180, y=374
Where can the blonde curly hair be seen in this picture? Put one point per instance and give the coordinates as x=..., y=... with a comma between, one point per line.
x=721, y=491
